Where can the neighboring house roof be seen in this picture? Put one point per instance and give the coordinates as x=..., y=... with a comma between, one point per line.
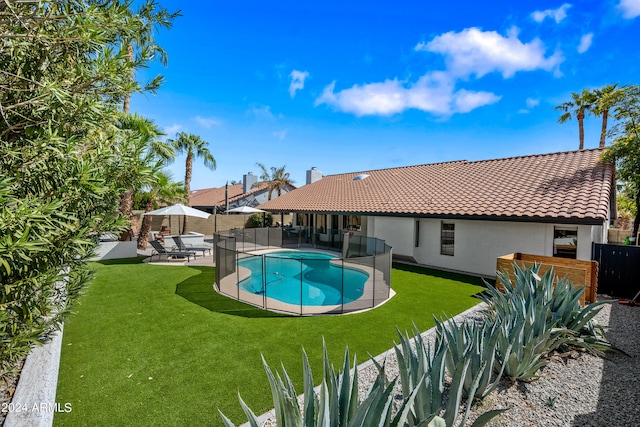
x=216, y=196
x=213, y=196
x=571, y=185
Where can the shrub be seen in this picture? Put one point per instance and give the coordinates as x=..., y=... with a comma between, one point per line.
x=63, y=80
x=257, y=221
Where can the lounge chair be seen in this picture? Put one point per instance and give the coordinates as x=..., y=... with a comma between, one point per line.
x=181, y=246
x=160, y=250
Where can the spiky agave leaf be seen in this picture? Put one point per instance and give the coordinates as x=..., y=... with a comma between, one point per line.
x=311, y=404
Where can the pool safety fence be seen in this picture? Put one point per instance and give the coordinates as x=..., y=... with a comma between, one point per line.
x=356, y=277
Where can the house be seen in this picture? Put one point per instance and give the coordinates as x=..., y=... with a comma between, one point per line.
x=462, y=215
x=214, y=200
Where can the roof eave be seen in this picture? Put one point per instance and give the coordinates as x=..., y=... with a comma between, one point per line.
x=596, y=220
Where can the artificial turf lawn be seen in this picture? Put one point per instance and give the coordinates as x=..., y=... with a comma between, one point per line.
x=154, y=345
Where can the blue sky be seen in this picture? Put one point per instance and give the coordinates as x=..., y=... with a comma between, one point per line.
x=353, y=86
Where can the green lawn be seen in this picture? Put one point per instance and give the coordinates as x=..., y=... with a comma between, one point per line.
x=154, y=345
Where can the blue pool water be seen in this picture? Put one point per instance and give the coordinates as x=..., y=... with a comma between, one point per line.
x=321, y=280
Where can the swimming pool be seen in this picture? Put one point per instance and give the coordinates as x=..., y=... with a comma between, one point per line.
x=298, y=277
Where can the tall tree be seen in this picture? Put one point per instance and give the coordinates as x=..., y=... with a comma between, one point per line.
x=161, y=190
x=192, y=145
x=605, y=98
x=276, y=181
x=137, y=45
x=62, y=82
x=139, y=138
x=577, y=107
x=625, y=149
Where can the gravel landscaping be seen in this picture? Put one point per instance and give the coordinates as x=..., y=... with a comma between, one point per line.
x=575, y=389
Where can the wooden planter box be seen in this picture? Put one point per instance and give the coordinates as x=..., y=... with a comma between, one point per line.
x=580, y=273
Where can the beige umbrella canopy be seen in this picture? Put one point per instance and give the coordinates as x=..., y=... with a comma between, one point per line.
x=245, y=210
x=179, y=209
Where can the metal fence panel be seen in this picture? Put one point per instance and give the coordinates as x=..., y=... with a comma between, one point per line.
x=618, y=269
x=307, y=285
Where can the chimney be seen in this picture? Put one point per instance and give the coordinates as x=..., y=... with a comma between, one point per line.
x=313, y=175
x=247, y=182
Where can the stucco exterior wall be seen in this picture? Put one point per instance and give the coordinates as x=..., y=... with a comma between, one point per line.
x=397, y=232
x=477, y=243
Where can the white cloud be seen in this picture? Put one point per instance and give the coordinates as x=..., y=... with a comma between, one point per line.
x=434, y=93
x=585, y=43
x=532, y=102
x=208, y=122
x=469, y=53
x=465, y=101
x=556, y=14
x=630, y=8
x=173, y=129
x=297, y=81
x=473, y=51
x=281, y=135
x=262, y=112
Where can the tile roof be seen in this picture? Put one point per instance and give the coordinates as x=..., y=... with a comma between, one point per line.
x=568, y=185
x=215, y=196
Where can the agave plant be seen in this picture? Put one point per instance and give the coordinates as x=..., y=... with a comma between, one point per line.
x=536, y=316
x=337, y=403
x=525, y=326
x=427, y=392
x=477, y=342
x=423, y=366
x=582, y=330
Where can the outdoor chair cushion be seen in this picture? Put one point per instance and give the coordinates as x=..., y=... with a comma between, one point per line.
x=159, y=250
x=180, y=245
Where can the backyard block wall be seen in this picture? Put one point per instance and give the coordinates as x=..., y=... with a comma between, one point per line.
x=207, y=226
x=617, y=236
x=580, y=273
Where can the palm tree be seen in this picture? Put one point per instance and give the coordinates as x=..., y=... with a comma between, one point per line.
x=162, y=190
x=605, y=99
x=193, y=145
x=138, y=141
x=140, y=43
x=580, y=104
x=277, y=180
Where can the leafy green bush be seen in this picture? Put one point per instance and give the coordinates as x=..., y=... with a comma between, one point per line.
x=257, y=221
x=64, y=161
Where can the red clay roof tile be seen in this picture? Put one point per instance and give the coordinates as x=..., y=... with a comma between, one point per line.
x=571, y=184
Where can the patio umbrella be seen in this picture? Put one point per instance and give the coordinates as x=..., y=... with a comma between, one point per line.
x=179, y=209
x=245, y=210
x=248, y=210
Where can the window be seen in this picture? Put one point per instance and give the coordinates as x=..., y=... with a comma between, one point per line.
x=565, y=242
x=334, y=223
x=321, y=223
x=447, y=238
x=417, y=233
x=351, y=222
